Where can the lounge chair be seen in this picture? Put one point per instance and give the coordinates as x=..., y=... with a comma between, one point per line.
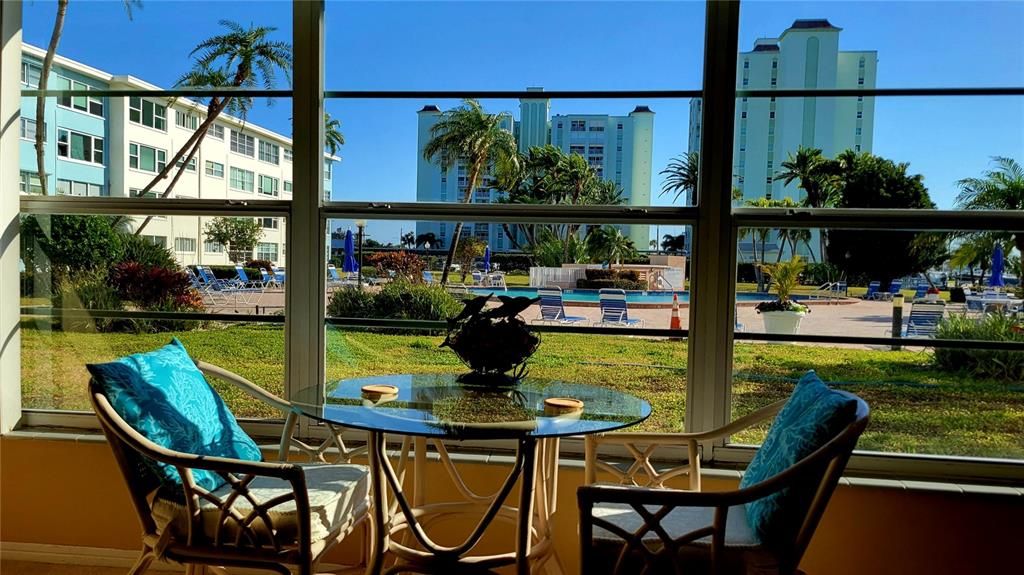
x=840, y=289
x=924, y=320
x=497, y=280
x=268, y=280
x=335, y=280
x=872, y=292
x=921, y=291
x=478, y=279
x=614, y=310
x=279, y=274
x=552, y=309
x=428, y=276
x=244, y=278
x=894, y=288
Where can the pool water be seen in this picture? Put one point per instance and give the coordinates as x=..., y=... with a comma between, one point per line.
x=590, y=295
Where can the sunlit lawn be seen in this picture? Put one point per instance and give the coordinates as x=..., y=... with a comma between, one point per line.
x=915, y=408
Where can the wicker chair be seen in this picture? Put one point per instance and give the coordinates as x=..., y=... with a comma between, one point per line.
x=641, y=526
x=269, y=515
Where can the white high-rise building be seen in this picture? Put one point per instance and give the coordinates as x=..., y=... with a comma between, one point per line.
x=805, y=56
x=618, y=147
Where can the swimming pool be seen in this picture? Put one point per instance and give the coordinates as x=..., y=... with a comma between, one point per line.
x=634, y=297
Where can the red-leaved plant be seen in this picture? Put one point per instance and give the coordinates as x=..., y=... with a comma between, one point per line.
x=154, y=286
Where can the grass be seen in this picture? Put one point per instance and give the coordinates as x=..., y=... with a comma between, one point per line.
x=915, y=407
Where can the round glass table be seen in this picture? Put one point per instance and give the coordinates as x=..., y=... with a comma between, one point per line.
x=429, y=408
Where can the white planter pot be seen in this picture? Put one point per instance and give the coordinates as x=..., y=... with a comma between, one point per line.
x=787, y=322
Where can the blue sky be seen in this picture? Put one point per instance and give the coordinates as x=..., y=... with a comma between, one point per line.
x=583, y=45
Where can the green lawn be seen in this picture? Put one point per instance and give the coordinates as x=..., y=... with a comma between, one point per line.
x=916, y=409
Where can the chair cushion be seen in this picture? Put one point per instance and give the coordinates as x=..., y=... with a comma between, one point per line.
x=338, y=499
x=813, y=416
x=164, y=396
x=743, y=551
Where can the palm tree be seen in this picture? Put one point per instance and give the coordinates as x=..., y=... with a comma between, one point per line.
x=333, y=138
x=44, y=80
x=815, y=173
x=256, y=60
x=999, y=189
x=608, y=243
x=682, y=174
x=471, y=135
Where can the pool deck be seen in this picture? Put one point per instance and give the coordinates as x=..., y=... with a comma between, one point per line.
x=852, y=318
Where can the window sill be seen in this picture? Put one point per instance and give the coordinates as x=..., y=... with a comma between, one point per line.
x=570, y=461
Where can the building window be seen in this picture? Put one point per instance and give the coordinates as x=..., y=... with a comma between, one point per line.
x=858, y=130
x=775, y=82
x=266, y=251
x=30, y=183
x=191, y=164
x=775, y=64
x=860, y=114
x=270, y=152
x=269, y=223
x=88, y=104
x=186, y=120
x=214, y=169
x=746, y=64
x=857, y=147
x=578, y=126
x=78, y=146
x=146, y=113
x=743, y=115
x=184, y=244
x=30, y=74
x=597, y=127
x=268, y=186
x=146, y=158
x=577, y=149
x=241, y=180
x=212, y=247
x=243, y=144
x=28, y=129
x=216, y=132
x=771, y=115
x=860, y=81
x=156, y=240
x=287, y=187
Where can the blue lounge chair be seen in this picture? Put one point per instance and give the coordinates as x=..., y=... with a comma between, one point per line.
x=552, y=308
x=924, y=320
x=428, y=276
x=873, y=288
x=478, y=278
x=268, y=280
x=614, y=310
x=921, y=291
x=279, y=274
x=894, y=288
x=244, y=278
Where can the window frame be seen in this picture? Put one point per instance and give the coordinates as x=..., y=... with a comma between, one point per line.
x=162, y=116
x=93, y=148
x=242, y=144
x=157, y=162
x=274, y=153
x=242, y=171
x=714, y=223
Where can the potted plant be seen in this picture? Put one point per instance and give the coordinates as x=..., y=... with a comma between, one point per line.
x=783, y=315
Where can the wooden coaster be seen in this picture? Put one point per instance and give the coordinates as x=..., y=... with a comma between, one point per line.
x=378, y=391
x=561, y=405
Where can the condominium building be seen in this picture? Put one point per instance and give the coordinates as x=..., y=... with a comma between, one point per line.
x=619, y=148
x=768, y=129
x=115, y=146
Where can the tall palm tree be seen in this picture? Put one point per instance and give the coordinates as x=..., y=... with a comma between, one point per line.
x=814, y=172
x=608, y=243
x=471, y=135
x=682, y=174
x=1001, y=188
x=333, y=138
x=240, y=58
x=44, y=79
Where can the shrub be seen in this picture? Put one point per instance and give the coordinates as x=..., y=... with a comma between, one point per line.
x=148, y=286
x=350, y=302
x=611, y=274
x=142, y=251
x=90, y=291
x=996, y=364
x=402, y=264
x=256, y=265
x=229, y=272
x=511, y=262
x=406, y=300
x=68, y=244
x=611, y=283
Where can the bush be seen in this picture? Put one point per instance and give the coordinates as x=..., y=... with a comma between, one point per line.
x=256, y=265
x=350, y=302
x=996, y=364
x=402, y=264
x=90, y=291
x=229, y=272
x=148, y=286
x=611, y=274
x=611, y=283
x=405, y=300
x=68, y=244
x=511, y=262
x=142, y=251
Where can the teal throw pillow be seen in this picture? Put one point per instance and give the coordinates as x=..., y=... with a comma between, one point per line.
x=164, y=396
x=813, y=415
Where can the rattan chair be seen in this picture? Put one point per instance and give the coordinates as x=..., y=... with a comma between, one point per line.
x=641, y=526
x=269, y=516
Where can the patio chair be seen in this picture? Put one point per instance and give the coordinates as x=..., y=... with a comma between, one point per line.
x=478, y=278
x=924, y=319
x=762, y=527
x=497, y=280
x=921, y=291
x=334, y=280
x=614, y=310
x=279, y=274
x=244, y=278
x=873, y=288
x=894, y=288
x=199, y=486
x=268, y=279
x=552, y=310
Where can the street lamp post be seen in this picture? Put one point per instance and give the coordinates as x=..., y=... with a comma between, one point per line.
x=361, y=225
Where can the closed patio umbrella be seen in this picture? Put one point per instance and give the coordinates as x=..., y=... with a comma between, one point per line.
x=996, y=278
x=487, y=259
x=349, y=265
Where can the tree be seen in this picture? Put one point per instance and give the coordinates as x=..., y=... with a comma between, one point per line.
x=816, y=175
x=671, y=243
x=682, y=174
x=44, y=81
x=471, y=135
x=64, y=245
x=468, y=251
x=975, y=251
x=425, y=239
x=1001, y=188
x=868, y=181
x=239, y=235
x=407, y=240
x=333, y=138
x=607, y=243
x=255, y=60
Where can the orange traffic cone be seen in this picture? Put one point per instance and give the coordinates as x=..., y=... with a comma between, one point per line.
x=675, y=323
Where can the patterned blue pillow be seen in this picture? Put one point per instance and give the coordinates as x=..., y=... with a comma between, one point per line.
x=164, y=396
x=813, y=415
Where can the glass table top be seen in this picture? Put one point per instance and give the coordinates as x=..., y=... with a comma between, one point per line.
x=438, y=405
